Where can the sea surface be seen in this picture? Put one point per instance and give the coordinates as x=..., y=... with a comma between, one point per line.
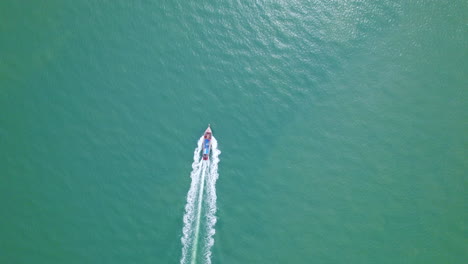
x=343, y=127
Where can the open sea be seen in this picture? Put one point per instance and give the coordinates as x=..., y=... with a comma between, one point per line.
x=342, y=127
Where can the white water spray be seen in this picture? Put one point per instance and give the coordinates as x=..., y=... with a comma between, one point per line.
x=211, y=201
x=191, y=199
x=199, y=211
x=203, y=173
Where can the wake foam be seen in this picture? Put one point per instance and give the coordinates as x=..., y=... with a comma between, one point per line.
x=203, y=173
x=211, y=201
x=191, y=200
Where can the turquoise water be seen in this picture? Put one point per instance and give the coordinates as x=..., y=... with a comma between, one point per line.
x=342, y=126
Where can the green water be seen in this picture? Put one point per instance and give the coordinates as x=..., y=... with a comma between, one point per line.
x=342, y=125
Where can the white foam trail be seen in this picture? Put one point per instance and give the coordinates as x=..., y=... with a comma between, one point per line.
x=202, y=171
x=211, y=201
x=199, y=211
x=191, y=199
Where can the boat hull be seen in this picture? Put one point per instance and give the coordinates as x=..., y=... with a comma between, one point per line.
x=207, y=143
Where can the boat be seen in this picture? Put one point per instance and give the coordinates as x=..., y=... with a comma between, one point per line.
x=207, y=143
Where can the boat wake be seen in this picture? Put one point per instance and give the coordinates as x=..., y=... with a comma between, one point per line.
x=200, y=207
